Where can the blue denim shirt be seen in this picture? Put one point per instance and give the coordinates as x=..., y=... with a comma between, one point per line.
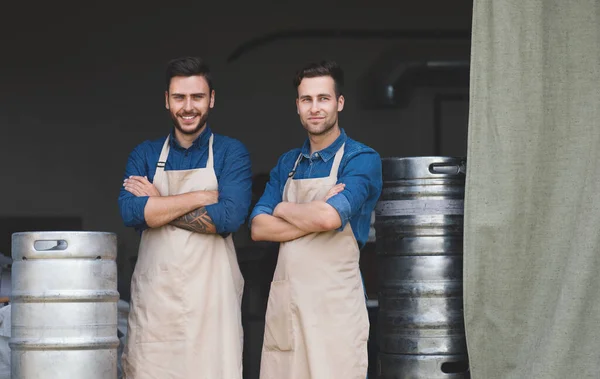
x=360, y=171
x=232, y=167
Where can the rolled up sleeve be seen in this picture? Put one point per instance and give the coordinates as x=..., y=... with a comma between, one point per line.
x=272, y=194
x=362, y=178
x=235, y=190
x=342, y=206
x=132, y=207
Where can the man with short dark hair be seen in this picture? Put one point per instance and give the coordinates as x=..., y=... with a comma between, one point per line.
x=318, y=204
x=186, y=193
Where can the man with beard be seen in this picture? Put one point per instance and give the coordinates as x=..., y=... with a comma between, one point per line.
x=318, y=204
x=187, y=193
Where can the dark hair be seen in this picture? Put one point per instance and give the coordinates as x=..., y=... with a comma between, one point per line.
x=188, y=66
x=323, y=68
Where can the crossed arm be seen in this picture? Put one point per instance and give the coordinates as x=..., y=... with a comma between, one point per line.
x=186, y=211
x=293, y=220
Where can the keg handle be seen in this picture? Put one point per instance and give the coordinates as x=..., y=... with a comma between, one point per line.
x=447, y=168
x=48, y=245
x=455, y=367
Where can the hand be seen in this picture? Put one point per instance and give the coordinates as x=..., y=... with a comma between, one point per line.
x=140, y=186
x=209, y=197
x=334, y=190
x=277, y=210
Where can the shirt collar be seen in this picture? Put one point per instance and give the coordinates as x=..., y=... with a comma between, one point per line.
x=201, y=140
x=328, y=152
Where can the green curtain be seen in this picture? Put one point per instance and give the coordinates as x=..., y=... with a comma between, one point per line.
x=532, y=202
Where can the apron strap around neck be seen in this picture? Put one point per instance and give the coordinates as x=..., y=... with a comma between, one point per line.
x=209, y=162
x=334, y=167
x=337, y=160
x=164, y=153
x=291, y=174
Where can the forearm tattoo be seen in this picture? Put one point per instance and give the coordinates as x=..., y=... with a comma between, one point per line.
x=197, y=221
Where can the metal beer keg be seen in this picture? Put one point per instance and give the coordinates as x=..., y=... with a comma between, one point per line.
x=64, y=305
x=419, y=243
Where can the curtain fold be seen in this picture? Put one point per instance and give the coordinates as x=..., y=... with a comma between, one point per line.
x=532, y=201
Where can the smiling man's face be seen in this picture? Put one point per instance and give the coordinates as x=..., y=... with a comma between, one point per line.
x=189, y=100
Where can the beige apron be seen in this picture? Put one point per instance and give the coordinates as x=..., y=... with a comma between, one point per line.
x=186, y=291
x=316, y=325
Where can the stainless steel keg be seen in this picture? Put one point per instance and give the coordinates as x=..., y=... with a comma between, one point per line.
x=419, y=231
x=64, y=305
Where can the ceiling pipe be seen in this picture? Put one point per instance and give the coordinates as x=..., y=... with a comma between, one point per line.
x=390, y=81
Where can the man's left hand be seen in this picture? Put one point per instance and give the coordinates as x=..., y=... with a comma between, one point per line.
x=334, y=191
x=140, y=186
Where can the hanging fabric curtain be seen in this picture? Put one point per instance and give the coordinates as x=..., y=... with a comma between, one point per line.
x=532, y=204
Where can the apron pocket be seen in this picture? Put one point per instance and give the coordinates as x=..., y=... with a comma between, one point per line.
x=278, y=319
x=159, y=306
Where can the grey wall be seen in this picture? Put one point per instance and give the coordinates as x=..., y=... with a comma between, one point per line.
x=78, y=92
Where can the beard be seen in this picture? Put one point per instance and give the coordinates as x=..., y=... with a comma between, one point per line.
x=201, y=122
x=319, y=129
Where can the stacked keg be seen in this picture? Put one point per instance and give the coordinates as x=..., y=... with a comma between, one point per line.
x=64, y=305
x=419, y=243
